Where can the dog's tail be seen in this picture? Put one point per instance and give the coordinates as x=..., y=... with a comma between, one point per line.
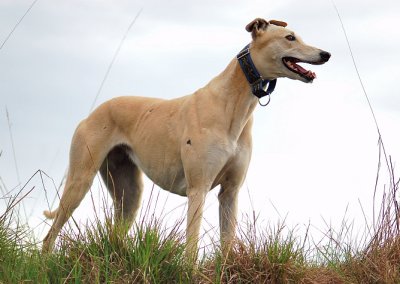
x=50, y=214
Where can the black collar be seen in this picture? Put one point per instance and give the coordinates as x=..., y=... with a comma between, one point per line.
x=258, y=84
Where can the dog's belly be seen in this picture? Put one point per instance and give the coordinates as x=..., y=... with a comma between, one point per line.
x=177, y=186
x=167, y=175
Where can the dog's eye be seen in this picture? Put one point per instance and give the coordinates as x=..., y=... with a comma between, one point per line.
x=291, y=37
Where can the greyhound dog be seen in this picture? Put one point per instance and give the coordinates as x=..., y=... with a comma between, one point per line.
x=187, y=145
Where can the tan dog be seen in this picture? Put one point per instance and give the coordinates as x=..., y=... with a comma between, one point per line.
x=187, y=145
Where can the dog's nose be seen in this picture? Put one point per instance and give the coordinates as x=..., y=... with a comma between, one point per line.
x=325, y=55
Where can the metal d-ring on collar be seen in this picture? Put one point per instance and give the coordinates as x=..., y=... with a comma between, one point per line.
x=258, y=84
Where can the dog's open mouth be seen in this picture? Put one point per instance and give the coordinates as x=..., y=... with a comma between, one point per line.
x=291, y=64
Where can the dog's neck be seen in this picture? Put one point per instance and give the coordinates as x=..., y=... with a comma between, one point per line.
x=232, y=92
x=260, y=87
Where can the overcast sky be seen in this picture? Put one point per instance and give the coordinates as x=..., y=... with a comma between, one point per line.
x=315, y=145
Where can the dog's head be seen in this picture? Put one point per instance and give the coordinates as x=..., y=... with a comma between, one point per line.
x=276, y=51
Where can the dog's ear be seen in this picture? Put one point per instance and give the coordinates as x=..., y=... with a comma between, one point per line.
x=256, y=26
x=278, y=23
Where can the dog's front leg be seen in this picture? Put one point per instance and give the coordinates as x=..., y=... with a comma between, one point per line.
x=228, y=201
x=194, y=216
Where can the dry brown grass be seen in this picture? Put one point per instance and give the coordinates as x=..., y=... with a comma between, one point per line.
x=277, y=256
x=379, y=260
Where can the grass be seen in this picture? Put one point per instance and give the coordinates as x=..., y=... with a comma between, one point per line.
x=99, y=253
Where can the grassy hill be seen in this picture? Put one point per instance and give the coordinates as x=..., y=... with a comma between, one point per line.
x=153, y=254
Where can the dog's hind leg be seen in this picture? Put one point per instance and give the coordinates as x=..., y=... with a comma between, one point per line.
x=124, y=182
x=86, y=156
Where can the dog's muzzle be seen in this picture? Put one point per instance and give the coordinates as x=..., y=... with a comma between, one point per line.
x=291, y=64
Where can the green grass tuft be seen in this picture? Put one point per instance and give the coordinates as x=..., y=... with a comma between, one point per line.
x=151, y=253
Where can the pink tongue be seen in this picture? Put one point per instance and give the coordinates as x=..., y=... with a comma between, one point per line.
x=310, y=74
x=303, y=71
